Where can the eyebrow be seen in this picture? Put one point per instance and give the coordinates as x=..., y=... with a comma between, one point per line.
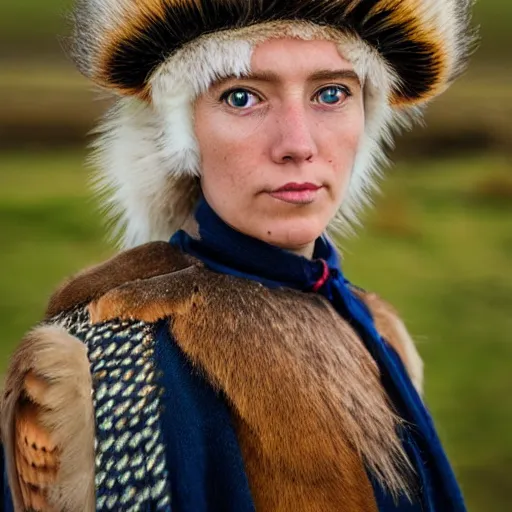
x=270, y=76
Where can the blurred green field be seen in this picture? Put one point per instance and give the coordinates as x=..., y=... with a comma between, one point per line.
x=438, y=246
x=49, y=230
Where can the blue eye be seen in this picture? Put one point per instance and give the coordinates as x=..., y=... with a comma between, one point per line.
x=332, y=95
x=240, y=98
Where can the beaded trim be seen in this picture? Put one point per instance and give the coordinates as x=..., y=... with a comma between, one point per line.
x=131, y=468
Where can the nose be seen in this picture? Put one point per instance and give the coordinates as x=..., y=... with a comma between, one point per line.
x=293, y=141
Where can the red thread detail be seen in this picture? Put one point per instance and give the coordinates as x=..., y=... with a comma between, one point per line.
x=323, y=279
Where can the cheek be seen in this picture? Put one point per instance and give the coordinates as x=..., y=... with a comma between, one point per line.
x=350, y=132
x=345, y=143
x=222, y=165
x=225, y=152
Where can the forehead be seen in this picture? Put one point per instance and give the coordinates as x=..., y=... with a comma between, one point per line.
x=297, y=57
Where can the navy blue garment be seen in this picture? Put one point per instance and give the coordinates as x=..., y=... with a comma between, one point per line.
x=5, y=493
x=205, y=463
x=224, y=250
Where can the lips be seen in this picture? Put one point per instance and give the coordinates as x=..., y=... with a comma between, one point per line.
x=296, y=193
x=289, y=187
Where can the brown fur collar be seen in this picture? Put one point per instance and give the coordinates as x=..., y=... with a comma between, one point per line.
x=148, y=260
x=160, y=258
x=306, y=395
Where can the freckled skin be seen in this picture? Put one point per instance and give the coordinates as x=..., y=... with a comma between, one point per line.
x=286, y=136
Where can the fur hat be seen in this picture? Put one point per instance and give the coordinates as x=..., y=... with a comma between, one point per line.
x=159, y=55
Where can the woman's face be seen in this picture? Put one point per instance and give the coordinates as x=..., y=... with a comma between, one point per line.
x=277, y=147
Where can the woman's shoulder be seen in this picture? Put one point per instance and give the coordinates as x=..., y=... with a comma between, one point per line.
x=46, y=418
x=143, y=262
x=47, y=421
x=392, y=328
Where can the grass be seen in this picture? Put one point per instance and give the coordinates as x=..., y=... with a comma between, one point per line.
x=49, y=230
x=33, y=19
x=438, y=246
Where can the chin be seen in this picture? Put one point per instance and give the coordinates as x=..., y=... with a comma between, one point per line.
x=294, y=235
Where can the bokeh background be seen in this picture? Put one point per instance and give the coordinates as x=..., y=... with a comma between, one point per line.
x=438, y=245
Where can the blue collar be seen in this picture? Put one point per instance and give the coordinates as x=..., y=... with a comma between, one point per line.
x=228, y=251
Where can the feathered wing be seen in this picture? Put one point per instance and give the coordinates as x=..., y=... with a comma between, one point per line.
x=47, y=423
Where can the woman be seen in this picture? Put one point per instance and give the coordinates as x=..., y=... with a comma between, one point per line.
x=235, y=368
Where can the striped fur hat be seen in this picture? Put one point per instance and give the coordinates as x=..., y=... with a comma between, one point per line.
x=159, y=55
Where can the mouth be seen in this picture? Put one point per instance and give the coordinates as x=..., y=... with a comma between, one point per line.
x=296, y=193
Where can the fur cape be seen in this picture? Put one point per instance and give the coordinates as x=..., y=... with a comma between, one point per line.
x=319, y=373
x=158, y=56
